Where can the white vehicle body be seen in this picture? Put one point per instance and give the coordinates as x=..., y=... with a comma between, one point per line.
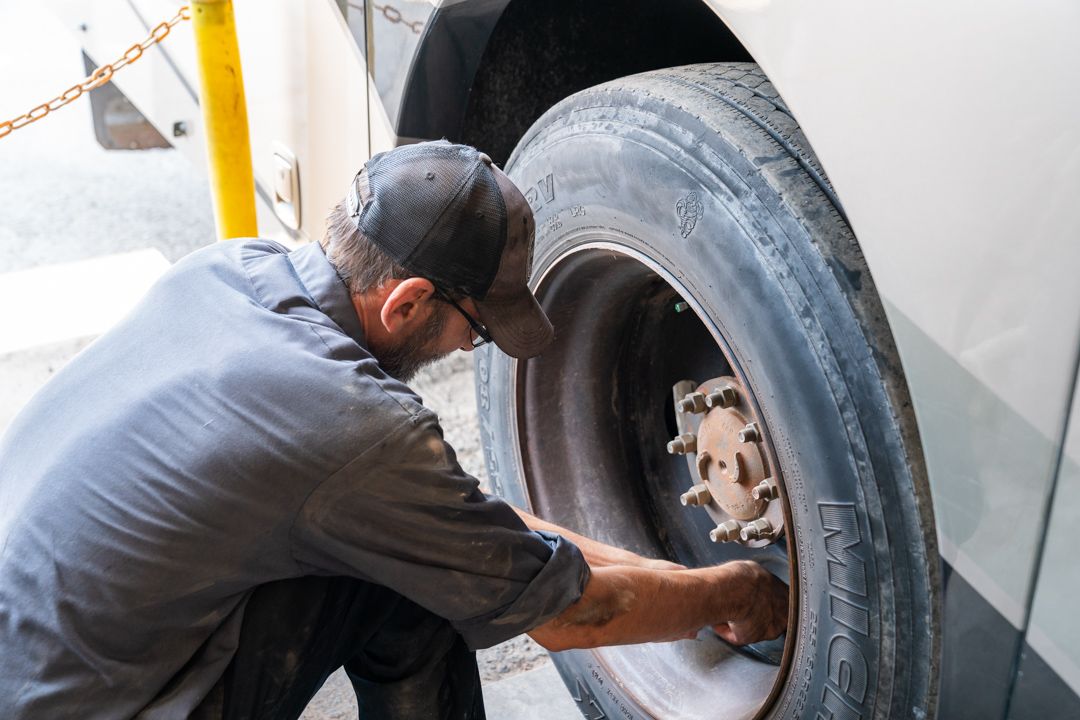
x=959, y=165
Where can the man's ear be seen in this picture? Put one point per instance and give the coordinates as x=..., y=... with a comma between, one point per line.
x=404, y=302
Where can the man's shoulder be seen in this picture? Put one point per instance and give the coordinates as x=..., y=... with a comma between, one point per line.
x=237, y=327
x=208, y=274
x=381, y=404
x=236, y=249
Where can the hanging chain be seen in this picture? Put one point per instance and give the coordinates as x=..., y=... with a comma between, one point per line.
x=99, y=77
x=394, y=15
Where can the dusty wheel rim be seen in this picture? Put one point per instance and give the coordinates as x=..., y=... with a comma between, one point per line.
x=594, y=414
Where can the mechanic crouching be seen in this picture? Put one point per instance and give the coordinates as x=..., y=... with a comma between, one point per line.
x=233, y=493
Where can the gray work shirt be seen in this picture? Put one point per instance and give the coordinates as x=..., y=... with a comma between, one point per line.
x=231, y=431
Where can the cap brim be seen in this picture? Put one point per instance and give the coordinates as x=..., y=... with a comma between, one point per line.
x=517, y=324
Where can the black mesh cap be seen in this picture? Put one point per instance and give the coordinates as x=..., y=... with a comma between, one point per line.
x=444, y=212
x=436, y=209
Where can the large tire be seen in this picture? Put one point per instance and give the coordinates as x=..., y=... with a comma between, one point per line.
x=696, y=185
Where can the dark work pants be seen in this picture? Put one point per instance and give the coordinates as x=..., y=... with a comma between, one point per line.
x=404, y=662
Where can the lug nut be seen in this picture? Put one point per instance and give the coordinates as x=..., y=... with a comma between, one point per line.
x=697, y=495
x=682, y=444
x=765, y=490
x=749, y=433
x=693, y=403
x=723, y=397
x=725, y=532
x=755, y=530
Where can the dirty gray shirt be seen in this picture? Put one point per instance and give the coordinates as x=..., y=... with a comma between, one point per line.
x=233, y=430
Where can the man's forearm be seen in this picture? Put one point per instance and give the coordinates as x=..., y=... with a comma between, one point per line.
x=632, y=599
x=596, y=553
x=623, y=605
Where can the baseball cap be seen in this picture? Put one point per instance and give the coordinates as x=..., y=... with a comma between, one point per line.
x=444, y=212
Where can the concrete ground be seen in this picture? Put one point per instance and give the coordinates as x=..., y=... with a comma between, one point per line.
x=84, y=231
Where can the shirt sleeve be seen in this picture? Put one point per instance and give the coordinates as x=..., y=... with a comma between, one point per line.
x=405, y=515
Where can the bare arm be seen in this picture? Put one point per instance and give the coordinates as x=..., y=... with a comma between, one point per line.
x=742, y=601
x=633, y=599
x=596, y=553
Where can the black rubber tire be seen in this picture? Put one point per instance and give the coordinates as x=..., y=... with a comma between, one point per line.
x=767, y=259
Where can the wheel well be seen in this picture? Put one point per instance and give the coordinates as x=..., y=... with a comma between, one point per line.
x=541, y=52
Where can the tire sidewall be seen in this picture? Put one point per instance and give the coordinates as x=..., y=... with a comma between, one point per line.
x=628, y=175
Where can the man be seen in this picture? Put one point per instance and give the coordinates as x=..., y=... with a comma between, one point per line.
x=233, y=493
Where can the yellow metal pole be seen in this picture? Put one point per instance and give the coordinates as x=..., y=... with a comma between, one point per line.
x=221, y=94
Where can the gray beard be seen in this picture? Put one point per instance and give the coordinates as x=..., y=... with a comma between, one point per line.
x=415, y=352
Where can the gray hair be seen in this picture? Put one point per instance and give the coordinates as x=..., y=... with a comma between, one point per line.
x=361, y=264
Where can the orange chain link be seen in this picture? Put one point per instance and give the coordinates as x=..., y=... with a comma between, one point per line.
x=96, y=79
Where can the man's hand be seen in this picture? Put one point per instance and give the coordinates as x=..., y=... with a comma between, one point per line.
x=764, y=599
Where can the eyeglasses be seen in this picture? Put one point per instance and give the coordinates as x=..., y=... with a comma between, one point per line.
x=482, y=336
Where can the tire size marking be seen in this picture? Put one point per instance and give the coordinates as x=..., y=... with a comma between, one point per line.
x=583, y=692
x=844, y=693
x=808, y=668
x=584, y=697
x=552, y=224
x=484, y=371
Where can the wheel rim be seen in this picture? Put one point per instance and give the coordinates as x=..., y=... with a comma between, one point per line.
x=594, y=414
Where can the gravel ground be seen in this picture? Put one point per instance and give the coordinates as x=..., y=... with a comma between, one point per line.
x=64, y=198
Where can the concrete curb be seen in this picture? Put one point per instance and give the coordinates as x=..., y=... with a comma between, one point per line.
x=537, y=694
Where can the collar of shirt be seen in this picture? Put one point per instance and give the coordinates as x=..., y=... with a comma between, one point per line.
x=327, y=289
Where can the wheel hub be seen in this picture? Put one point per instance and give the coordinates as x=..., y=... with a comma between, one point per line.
x=728, y=457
